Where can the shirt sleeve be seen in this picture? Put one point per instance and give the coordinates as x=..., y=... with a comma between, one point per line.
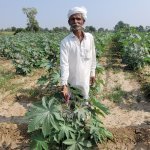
x=93, y=66
x=64, y=65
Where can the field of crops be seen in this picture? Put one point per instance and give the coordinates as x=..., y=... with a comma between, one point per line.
x=34, y=50
x=51, y=121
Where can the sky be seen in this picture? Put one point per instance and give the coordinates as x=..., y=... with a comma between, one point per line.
x=53, y=13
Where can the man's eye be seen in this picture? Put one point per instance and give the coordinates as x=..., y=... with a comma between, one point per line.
x=75, y=19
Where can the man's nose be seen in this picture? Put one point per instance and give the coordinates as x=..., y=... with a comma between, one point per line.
x=75, y=20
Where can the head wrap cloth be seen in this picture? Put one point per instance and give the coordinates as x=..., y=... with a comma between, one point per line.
x=76, y=10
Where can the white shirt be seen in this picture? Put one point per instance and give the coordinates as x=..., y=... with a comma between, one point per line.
x=78, y=62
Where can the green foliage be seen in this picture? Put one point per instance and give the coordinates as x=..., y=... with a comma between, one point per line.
x=45, y=116
x=35, y=50
x=121, y=25
x=38, y=141
x=102, y=39
x=90, y=29
x=5, y=77
x=32, y=24
x=134, y=51
x=75, y=125
x=147, y=59
x=134, y=47
x=116, y=95
x=31, y=50
x=77, y=144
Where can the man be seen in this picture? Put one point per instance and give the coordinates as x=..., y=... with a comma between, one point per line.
x=77, y=55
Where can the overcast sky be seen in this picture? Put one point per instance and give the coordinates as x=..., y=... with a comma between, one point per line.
x=53, y=13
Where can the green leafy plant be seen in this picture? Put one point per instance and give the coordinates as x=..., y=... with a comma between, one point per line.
x=71, y=126
x=116, y=95
x=134, y=47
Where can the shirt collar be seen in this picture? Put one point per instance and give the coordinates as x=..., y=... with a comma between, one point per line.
x=73, y=35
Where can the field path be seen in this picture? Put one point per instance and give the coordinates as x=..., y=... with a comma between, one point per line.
x=13, y=106
x=129, y=118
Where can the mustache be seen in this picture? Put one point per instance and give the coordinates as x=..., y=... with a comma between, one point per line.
x=75, y=26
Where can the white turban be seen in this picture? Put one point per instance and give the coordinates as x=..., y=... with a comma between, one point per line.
x=76, y=10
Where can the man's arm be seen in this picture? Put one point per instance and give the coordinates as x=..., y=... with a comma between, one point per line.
x=93, y=66
x=64, y=67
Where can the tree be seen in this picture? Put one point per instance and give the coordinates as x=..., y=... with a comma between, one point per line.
x=64, y=29
x=13, y=29
x=19, y=30
x=147, y=28
x=60, y=29
x=101, y=30
x=46, y=29
x=121, y=25
x=90, y=29
x=32, y=24
x=140, y=28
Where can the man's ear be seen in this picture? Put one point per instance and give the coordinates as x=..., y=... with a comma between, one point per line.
x=68, y=21
x=83, y=20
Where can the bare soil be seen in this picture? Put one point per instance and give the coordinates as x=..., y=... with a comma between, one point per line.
x=129, y=120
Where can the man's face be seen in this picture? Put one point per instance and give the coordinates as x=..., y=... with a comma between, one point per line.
x=76, y=22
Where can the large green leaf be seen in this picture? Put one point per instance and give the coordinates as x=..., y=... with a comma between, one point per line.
x=55, y=78
x=72, y=147
x=66, y=131
x=38, y=142
x=45, y=116
x=100, y=106
x=82, y=112
x=77, y=144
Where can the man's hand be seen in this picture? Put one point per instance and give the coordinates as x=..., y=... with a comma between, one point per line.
x=92, y=80
x=65, y=92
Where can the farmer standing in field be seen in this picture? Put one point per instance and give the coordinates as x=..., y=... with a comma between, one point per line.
x=77, y=55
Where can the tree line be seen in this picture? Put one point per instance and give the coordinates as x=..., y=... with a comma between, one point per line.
x=33, y=25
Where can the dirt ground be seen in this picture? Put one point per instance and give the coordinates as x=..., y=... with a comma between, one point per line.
x=129, y=120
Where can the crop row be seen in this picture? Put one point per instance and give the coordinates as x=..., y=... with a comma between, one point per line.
x=134, y=47
x=34, y=50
